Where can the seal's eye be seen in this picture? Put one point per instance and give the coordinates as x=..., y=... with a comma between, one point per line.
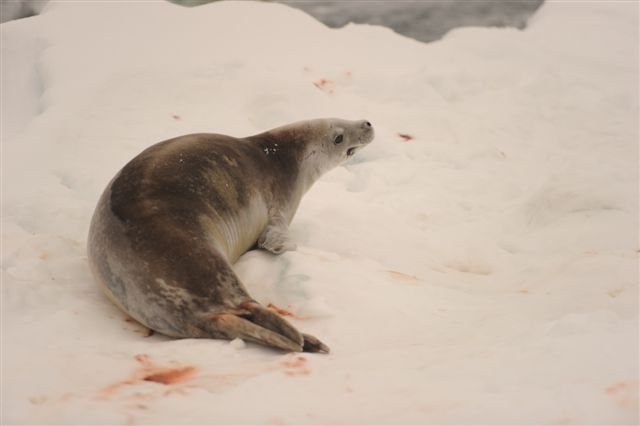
x=338, y=139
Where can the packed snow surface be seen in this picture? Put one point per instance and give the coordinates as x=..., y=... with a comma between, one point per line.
x=477, y=263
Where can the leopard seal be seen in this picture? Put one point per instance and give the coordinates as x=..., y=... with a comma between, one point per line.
x=170, y=224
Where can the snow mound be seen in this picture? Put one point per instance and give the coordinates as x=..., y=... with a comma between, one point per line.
x=476, y=264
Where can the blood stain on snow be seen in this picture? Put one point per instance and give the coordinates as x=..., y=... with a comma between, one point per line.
x=295, y=365
x=280, y=311
x=400, y=276
x=171, y=376
x=176, y=117
x=149, y=372
x=325, y=85
x=164, y=375
x=625, y=394
x=406, y=136
x=172, y=380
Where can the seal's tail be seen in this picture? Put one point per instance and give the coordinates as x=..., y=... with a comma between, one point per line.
x=253, y=322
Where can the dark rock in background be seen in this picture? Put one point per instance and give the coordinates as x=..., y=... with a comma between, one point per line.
x=422, y=20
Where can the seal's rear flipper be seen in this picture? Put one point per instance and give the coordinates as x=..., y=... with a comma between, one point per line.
x=312, y=344
x=233, y=326
x=255, y=323
x=268, y=319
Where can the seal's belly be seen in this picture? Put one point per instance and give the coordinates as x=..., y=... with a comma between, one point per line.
x=234, y=234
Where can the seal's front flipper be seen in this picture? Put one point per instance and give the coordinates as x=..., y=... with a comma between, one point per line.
x=312, y=344
x=275, y=237
x=233, y=326
x=276, y=240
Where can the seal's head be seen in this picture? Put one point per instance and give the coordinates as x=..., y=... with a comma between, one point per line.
x=346, y=137
x=333, y=141
x=319, y=145
x=330, y=141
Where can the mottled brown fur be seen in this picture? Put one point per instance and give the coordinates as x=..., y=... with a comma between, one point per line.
x=170, y=224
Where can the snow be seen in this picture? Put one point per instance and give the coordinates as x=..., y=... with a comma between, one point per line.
x=481, y=268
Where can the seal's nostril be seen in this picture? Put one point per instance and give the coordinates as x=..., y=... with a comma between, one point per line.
x=367, y=124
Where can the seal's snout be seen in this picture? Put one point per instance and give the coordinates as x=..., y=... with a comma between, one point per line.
x=367, y=132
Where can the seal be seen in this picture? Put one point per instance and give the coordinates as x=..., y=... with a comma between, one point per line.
x=171, y=223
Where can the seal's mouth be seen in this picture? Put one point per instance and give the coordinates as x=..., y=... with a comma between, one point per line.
x=351, y=151
x=365, y=139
